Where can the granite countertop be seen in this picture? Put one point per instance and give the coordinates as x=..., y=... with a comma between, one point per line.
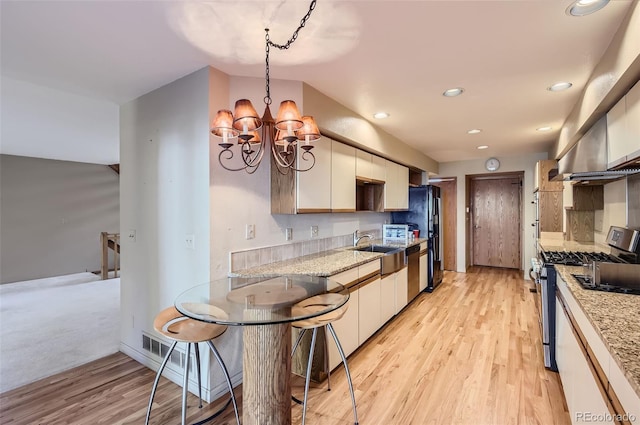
x=562, y=245
x=616, y=318
x=324, y=264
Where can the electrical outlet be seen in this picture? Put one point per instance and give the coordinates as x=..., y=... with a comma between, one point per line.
x=132, y=235
x=190, y=241
x=288, y=233
x=250, y=231
x=314, y=231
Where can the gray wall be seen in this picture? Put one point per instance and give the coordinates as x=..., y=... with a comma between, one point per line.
x=51, y=216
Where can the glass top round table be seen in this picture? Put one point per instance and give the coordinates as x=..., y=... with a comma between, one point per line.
x=265, y=308
x=240, y=301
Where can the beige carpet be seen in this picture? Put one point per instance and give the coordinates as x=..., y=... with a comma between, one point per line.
x=54, y=324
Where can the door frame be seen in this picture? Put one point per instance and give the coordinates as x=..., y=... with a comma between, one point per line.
x=469, y=180
x=450, y=186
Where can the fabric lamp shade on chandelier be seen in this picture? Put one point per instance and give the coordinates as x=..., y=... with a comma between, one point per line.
x=254, y=134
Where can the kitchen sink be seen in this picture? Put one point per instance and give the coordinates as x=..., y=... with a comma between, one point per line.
x=392, y=260
x=377, y=248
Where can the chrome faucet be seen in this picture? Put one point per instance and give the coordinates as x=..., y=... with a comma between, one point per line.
x=357, y=238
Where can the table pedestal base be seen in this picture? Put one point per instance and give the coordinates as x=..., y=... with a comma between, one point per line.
x=266, y=382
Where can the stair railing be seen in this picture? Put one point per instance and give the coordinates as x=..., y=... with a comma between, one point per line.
x=109, y=241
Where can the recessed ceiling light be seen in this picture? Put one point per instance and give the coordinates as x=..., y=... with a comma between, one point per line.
x=457, y=91
x=482, y=147
x=585, y=7
x=474, y=131
x=544, y=128
x=381, y=115
x=559, y=86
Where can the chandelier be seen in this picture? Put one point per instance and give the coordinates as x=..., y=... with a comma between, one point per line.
x=254, y=135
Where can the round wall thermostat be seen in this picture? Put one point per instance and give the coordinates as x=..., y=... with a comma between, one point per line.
x=492, y=164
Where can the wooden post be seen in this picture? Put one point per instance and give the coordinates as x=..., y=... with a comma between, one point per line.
x=104, y=263
x=116, y=256
x=266, y=385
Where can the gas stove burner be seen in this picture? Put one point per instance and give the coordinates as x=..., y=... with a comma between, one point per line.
x=570, y=258
x=586, y=283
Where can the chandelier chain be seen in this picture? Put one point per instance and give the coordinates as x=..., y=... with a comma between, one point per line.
x=269, y=43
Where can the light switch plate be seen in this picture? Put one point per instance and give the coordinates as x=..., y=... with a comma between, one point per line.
x=250, y=231
x=190, y=241
x=288, y=233
x=132, y=235
x=314, y=231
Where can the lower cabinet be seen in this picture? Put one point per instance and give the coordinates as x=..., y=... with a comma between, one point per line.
x=584, y=399
x=589, y=380
x=402, y=286
x=368, y=309
x=347, y=330
x=423, y=266
x=387, y=298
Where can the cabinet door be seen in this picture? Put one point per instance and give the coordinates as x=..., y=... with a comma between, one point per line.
x=403, y=187
x=378, y=168
x=402, y=286
x=633, y=119
x=368, y=310
x=396, y=188
x=347, y=330
x=387, y=297
x=550, y=211
x=423, y=271
x=343, y=177
x=617, y=132
x=314, y=186
x=363, y=164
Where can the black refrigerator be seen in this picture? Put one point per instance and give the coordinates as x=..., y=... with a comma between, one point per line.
x=424, y=213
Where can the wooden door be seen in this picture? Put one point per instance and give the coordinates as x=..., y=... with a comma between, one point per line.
x=496, y=222
x=448, y=194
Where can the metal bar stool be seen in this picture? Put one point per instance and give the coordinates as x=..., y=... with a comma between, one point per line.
x=304, y=307
x=178, y=328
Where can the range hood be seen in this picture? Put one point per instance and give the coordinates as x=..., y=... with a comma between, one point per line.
x=586, y=162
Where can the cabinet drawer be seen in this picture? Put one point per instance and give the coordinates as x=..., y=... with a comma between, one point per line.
x=369, y=269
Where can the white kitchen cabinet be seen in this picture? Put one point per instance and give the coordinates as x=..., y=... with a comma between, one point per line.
x=363, y=164
x=624, y=391
x=370, y=167
x=579, y=381
x=378, y=168
x=423, y=266
x=387, y=297
x=313, y=187
x=347, y=330
x=343, y=177
x=396, y=188
x=368, y=309
x=623, y=128
x=402, y=286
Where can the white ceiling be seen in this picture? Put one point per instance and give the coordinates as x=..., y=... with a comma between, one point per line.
x=397, y=56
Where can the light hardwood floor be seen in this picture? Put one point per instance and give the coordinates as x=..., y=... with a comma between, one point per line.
x=469, y=353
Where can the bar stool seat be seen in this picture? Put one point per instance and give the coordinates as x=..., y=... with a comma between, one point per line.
x=178, y=328
x=315, y=304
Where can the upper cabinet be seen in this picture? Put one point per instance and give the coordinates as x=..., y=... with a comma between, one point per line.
x=541, y=177
x=313, y=187
x=396, y=188
x=343, y=177
x=623, y=129
x=370, y=167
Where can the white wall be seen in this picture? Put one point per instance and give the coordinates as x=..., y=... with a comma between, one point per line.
x=524, y=163
x=52, y=213
x=41, y=122
x=164, y=195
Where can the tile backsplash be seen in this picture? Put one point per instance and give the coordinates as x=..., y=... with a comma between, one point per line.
x=246, y=259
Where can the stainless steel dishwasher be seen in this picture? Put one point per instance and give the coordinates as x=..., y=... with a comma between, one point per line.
x=413, y=271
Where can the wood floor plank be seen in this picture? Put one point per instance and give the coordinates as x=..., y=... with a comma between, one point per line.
x=468, y=353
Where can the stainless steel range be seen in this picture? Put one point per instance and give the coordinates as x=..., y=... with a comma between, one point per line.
x=615, y=272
